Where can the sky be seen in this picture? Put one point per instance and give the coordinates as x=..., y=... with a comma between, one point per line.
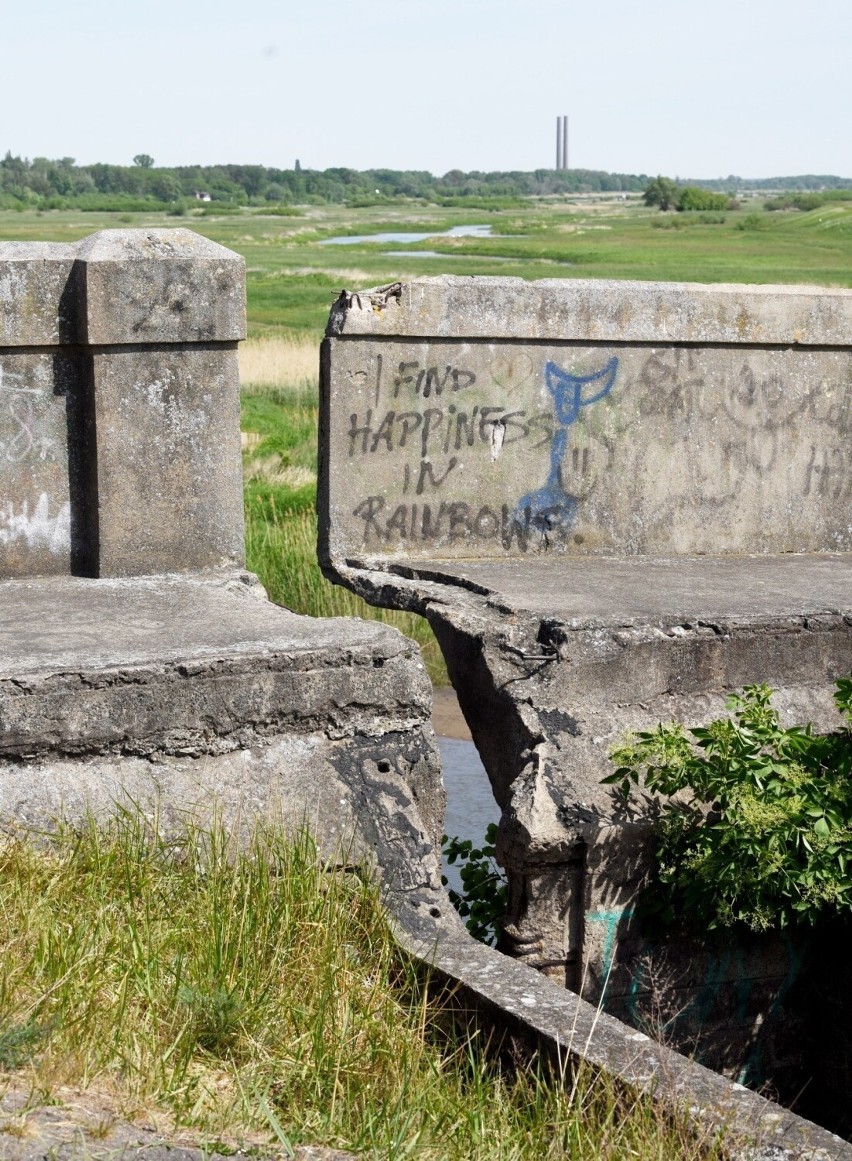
x=756, y=88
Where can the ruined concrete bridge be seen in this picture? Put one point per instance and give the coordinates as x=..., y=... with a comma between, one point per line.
x=616, y=503
x=141, y=666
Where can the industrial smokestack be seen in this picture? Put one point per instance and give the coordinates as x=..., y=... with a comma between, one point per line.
x=565, y=141
x=558, y=142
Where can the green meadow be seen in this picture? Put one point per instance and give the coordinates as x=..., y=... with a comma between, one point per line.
x=292, y=276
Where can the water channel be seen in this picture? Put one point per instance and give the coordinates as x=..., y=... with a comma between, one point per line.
x=470, y=803
x=475, y=231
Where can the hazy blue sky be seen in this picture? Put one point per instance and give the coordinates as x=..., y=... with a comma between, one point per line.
x=751, y=87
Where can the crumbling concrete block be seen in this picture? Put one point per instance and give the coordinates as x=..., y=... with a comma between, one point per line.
x=194, y=696
x=139, y=665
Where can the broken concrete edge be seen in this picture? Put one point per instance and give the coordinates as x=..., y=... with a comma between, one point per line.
x=120, y=288
x=464, y=605
x=596, y=310
x=436, y=596
x=512, y=998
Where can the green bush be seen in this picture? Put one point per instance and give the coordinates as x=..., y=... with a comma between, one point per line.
x=753, y=222
x=483, y=901
x=806, y=201
x=762, y=835
x=692, y=198
x=662, y=192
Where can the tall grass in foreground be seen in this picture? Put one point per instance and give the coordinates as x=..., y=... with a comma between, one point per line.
x=254, y=995
x=279, y=422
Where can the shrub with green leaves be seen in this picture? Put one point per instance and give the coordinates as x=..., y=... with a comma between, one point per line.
x=691, y=197
x=761, y=831
x=482, y=903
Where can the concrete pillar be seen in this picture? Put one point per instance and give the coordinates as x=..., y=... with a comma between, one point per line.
x=119, y=422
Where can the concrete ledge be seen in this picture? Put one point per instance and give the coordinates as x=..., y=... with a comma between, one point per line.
x=160, y=286
x=515, y=999
x=194, y=691
x=35, y=310
x=592, y=310
x=121, y=287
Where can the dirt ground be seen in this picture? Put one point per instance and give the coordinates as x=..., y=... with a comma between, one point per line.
x=79, y=1125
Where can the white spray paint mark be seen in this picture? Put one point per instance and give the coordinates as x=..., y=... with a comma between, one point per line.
x=39, y=529
x=498, y=434
x=9, y=381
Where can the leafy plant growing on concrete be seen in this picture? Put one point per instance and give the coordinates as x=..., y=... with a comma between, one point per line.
x=761, y=833
x=483, y=902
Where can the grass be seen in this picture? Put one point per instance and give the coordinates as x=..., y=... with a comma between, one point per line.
x=254, y=996
x=270, y=363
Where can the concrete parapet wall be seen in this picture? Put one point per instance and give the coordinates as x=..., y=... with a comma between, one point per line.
x=598, y=310
x=496, y=418
x=119, y=405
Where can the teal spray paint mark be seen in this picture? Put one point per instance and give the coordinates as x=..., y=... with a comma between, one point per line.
x=636, y=981
x=610, y=920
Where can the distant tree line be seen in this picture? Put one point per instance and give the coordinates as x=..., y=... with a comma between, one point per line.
x=803, y=181
x=45, y=183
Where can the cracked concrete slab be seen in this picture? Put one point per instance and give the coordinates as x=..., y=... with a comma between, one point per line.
x=196, y=696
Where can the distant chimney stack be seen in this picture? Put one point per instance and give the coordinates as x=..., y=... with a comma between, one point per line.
x=562, y=142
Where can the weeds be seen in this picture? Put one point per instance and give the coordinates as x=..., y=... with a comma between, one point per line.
x=763, y=837
x=482, y=903
x=248, y=993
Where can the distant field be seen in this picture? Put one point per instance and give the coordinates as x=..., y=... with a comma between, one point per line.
x=292, y=277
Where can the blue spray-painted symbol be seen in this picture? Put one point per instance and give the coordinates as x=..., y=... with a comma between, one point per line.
x=553, y=508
